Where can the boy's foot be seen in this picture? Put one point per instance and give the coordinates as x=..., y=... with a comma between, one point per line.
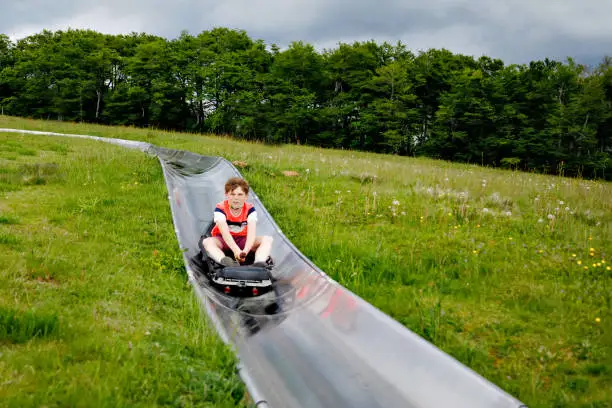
x=227, y=261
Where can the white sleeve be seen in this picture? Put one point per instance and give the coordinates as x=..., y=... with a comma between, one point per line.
x=219, y=216
x=252, y=217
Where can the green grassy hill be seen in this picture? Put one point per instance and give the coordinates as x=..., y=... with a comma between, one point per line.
x=508, y=272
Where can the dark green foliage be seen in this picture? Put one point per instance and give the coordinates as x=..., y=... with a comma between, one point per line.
x=18, y=327
x=545, y=116
x=7, y=219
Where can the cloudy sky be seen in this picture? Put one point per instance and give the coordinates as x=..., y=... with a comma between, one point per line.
x=517, y=31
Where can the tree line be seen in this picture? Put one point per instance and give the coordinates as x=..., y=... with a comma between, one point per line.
x=545, y=116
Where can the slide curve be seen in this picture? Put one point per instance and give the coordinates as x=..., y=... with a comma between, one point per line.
x=325, y=347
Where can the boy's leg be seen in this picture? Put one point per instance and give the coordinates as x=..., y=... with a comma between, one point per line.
x=263, y=247
x=214, y=248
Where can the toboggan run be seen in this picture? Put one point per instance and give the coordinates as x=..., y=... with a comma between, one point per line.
x=326, y=347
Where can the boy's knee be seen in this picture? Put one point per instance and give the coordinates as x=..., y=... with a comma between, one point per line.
x=209, y=241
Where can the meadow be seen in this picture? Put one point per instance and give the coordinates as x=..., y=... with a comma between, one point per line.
x=508, y=272
x=95, y=308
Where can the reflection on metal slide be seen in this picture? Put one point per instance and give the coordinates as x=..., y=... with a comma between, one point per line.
x=321, y=345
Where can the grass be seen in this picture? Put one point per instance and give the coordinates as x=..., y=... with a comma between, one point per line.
x=95, y=309
x=21, y=327
x=508, y=272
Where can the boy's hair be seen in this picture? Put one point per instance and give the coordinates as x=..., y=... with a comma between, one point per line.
x=234, y=182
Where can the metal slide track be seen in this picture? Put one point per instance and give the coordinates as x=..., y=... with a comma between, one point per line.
x=326, y=347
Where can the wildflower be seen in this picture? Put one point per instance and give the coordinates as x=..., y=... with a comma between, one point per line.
x=551, y=217
x=586, y=267
x=510, y=238
x=597, y=319
x=608, y=268
x=579, y=262
x=540, y=220
x=574, y=255
x=475, y=252
x=592, y=249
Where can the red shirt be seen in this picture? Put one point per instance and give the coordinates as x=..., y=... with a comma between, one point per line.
x=237, y=224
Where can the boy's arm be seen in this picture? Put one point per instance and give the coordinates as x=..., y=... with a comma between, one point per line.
x=251, y=234
x=227, y=237
x=251, y=231
x=221, y=222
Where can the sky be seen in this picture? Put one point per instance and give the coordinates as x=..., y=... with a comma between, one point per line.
x=516, y=31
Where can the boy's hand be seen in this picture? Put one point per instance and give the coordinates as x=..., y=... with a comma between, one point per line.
x=240, y=255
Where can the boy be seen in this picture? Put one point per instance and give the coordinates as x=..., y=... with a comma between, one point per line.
x=235, y=228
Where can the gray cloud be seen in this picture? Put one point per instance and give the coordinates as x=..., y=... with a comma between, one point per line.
x=517, y=31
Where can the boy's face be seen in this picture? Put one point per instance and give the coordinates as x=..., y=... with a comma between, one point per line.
x=236, y=198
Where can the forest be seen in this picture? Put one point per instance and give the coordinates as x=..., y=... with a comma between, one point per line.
x=548, y=116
